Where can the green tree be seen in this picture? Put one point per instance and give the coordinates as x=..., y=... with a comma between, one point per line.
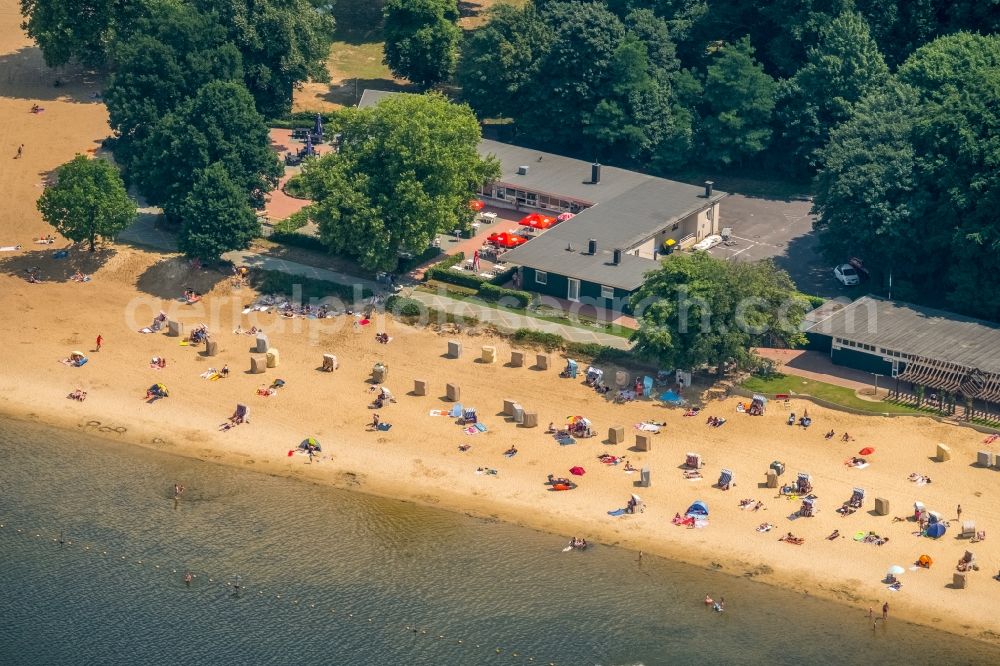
x=88, y=201
x=840, y=70
x=215, y=216
x=421, y=39
x=74, y=29
x=697, y=310
x=406, y=170
x=219, y=124
x=175, y=51
x=283, y=43
x=499, y=62
x=911, y=182
x=738, y=101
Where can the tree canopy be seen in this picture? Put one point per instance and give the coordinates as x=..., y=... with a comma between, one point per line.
x=911, y=182
x=81, y=30
x=283, y=43
x=219, y=124
x=421, y=39
x=406, y=170
x=737, y=104
x=88, y=201
x=697, y=310
x=840, y=70
x=175, y=51
x=215, y=216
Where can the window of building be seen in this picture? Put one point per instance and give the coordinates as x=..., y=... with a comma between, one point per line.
x=607, y=292
x=541, y=277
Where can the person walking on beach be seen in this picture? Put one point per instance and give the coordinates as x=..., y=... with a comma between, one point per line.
x=100, y=341
x=959, y=511
x=20, y=151
x=885, y=611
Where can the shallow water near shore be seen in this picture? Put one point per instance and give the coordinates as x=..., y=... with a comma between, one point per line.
x=332, y=576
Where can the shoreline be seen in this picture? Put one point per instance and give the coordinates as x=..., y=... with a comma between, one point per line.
x=158, y=436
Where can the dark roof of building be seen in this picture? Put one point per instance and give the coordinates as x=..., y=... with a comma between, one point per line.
x=544, y=254
x=558, y=175
x=372, y=97
x=916, y=330
x=626, y=209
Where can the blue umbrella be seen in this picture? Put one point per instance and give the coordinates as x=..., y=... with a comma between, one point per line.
x=936, y=530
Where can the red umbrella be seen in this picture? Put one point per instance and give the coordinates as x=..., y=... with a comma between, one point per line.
x=506, y=239
x=577, y=471
x=477, y=205
x=537, y=221
x=867, y=451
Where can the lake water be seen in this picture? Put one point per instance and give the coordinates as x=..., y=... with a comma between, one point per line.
x=333, y=577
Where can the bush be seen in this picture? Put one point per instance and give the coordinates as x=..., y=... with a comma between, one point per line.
x=295, y=187
x=492, y=293
x=599, y=353
x=548, y=340
x=404, y=307
x=275, y=282
x=305, y=120
x=293, y=222
x=814, y=301
x=299, y=240
x=407, y=265
x=504, y=277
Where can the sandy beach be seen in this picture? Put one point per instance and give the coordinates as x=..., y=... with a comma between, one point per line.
x=419, y=458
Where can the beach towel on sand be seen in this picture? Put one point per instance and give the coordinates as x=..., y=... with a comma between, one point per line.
x=647, y=427
x=146, y=329
x=384, y=426
x=10, y=248
x=617, y=512
x=438, y=412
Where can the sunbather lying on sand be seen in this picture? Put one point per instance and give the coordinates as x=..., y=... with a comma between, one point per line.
x=692, y=474
x=833, y=535
x=765, y=527
x=78, y=394
x=790, y=538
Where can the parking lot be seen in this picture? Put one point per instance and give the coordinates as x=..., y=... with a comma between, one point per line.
x=780, y=230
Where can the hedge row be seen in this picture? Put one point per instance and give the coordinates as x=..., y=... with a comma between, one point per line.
x=548, y=340
x=401, y=306
x=494, y=294
x=276, y=282
x=299, y=240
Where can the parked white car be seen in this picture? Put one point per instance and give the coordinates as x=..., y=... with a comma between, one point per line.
x=708, y=242
x=846, y=275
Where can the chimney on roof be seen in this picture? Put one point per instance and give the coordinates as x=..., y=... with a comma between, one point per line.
x=592, y=246
x=708, y=189
x=617, y=257
x=522, y=170
x=595, y=173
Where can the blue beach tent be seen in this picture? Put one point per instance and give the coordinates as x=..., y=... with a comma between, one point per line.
x=699, y=508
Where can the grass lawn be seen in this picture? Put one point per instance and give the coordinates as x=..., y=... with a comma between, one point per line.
x=839, y=395
x=465, y=294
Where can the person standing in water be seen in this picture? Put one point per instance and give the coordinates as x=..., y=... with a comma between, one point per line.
x=188, y=577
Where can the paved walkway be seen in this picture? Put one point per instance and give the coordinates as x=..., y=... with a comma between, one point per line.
x=819, y=367
x=144, y=232
x=510, y=321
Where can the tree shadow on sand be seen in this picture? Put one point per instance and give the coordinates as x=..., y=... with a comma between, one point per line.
x=24, y=75
x=169, y=278
x=43, y=262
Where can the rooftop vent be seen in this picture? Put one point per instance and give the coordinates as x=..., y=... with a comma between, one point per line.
x=522, y=170
x=708, y=189
x=569, y=247
x=617, y=257
x=592, y=246
x=595, y=173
